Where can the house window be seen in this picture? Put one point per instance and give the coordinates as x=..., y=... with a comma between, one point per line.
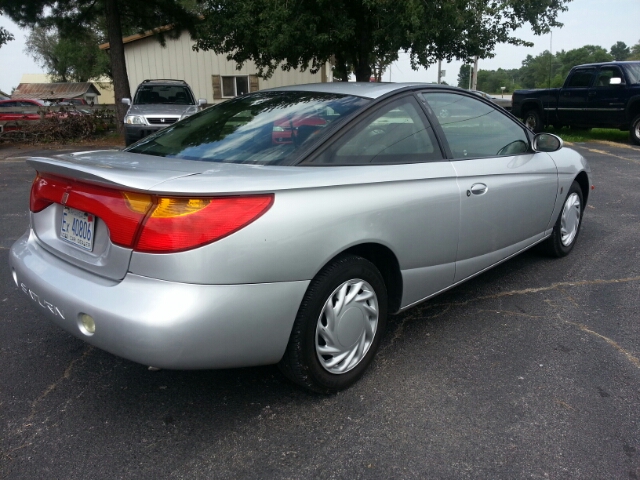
x=235, y=86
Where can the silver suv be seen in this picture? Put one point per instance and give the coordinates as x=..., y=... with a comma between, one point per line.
x=157, y=104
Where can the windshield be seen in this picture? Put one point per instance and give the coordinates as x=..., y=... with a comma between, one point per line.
x=633, y=70
x=163, y=94
x=262, y=128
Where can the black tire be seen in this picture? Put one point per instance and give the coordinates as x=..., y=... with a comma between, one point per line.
x=301, y=362
x=555, y=245
x=634, y=131
x=533, y=120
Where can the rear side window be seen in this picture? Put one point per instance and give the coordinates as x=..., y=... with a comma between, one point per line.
x=475, y=129
x=396, y=133
x=581, y=78
x=633, y=71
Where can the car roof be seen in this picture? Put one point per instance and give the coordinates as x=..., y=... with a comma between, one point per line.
x=39, y=102
x=359, y=89
x=163, y=81
x=604, y=64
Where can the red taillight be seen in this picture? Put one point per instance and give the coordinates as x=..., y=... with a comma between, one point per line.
x=149, y=223
x=177, y=224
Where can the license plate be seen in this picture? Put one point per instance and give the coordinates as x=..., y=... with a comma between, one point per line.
x=78, y=228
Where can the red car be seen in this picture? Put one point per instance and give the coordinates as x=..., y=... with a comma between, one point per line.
x=13, y=110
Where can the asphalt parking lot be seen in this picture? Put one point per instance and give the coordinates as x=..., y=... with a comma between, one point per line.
x=531, y=370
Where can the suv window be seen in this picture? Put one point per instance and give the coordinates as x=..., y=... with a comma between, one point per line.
x=581, y=78
x=396, y=133
x=475, y=129
x=163, y=94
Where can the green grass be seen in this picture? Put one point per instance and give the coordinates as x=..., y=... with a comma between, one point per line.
x=577, y=135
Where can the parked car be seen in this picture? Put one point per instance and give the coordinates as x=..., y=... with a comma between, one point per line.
x=210, y=245
x=14, y=110
x=74, y=101
x=593, y=95
x=157, y=104
x=503, y=102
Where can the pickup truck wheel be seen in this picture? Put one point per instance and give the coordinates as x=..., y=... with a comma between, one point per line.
x=635, y=130
x=338, y=328
x=533, y=121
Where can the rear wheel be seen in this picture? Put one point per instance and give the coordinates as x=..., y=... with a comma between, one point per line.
x=567, y=227
x=533, y=120
x=338, y=327
x=635, y=130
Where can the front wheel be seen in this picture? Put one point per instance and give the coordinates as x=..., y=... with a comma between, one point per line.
x=635, y=130
x=533, y=120
x=338, y=327
x=567, y=227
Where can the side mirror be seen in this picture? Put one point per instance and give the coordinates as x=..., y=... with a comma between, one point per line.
x=615, y=81
x=126, y=101
x=547, y=142
x=202, y=101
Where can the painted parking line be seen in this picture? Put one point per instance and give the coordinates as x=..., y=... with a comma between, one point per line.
x=609, y=154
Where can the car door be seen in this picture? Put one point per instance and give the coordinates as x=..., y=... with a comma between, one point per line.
x=416, y=199
x=607, y=99
x=507, y=192
x=574, y=97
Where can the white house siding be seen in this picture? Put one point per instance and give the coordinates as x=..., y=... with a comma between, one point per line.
x=147, y=59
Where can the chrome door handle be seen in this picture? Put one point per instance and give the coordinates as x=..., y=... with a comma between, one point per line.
x=477, y=189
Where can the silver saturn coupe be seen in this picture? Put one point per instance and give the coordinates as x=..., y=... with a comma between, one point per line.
x=285, y=225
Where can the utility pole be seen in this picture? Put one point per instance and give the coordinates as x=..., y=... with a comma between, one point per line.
x=474, y=83
x=439, y=71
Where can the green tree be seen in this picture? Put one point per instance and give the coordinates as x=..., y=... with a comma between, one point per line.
x=306, y=34
x=635, y=52
x=464, y=75
x=118, y=16
x=75, y=59
x=620, y=51
x=5, y=36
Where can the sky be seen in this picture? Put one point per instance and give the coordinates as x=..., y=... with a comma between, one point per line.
x=587, y=22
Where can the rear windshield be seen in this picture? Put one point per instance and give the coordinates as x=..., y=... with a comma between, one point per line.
x=261, y=128
x=163, y=94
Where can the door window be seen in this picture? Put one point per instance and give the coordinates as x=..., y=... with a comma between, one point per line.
x=581, y=78
x=606, y=74
x=475, y=129
x=396, y=133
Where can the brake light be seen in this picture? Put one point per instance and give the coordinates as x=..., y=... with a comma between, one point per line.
x=150, y=223
x=177, y=224
x=111, y=206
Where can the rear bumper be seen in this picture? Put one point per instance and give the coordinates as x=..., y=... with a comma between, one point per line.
x=164, y=324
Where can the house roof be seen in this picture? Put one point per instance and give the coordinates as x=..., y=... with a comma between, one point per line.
x=140, y=36
x=52, y=91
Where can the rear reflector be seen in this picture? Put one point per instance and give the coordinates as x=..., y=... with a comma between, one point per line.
x=150, y=223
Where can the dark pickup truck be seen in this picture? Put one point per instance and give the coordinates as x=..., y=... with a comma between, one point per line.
x=594, y=95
